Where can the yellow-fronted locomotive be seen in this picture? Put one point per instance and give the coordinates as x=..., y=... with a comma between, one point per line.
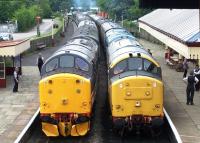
x=134, y=80
x=68, y=85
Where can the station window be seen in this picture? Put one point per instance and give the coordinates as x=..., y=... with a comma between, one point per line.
x=81, y=64
x=66, y=61
x=52, y=65
x=120, y=67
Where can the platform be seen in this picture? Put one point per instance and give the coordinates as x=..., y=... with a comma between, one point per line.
x=17, y=108
x=186, y=118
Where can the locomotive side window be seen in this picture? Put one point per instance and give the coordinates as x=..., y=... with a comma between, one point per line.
x=52, y=65
x=66, y=61
x=81, y=64
x=120, y=67
x=150, y=67
x=135, y=64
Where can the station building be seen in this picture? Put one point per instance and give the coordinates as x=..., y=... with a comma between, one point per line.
x=10, y=57
x=177, y=29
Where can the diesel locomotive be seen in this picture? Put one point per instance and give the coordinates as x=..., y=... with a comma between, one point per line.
x=135, y=83
x=68, y=85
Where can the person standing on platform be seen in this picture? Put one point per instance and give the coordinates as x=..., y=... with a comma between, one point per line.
x=185, y=67
x=40, y=62
x=197, y=74
x=16, y=79
x=149, y=51
x=191, y=81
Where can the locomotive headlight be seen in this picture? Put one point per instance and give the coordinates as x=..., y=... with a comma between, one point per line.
x=128, y=93
x=117, y=107
x=137, y=104
x=147, y=93
x=84, y=103
x=120, y=85
x=157, y=105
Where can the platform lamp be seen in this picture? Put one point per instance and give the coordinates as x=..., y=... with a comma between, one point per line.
x=38, y=25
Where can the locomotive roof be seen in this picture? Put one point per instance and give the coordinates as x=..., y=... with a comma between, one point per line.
x=110, y=25
x=84, y=42
x=124, y=46
x=89, y=30
x=115, y=34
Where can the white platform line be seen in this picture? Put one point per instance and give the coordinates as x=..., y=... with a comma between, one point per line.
x=27, y=126
x=177, y=136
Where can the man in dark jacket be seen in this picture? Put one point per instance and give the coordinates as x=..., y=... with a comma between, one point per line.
x=191, y=81
x=40, y=62
x=16, y=79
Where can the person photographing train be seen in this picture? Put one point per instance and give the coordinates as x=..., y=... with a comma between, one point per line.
x=191, y=82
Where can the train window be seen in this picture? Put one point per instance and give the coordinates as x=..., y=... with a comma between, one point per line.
x=66, y=61
x=81, y=64
x=150, y=67
x=52, y=65
x=135, y=64
x=120, y=67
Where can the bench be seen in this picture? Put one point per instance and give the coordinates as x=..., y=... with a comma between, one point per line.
x=40, y=45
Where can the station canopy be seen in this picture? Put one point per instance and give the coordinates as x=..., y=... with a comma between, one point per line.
x=179, y=24
x=14, y=48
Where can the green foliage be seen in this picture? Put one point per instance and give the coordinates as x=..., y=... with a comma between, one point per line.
x=26, y=17
x=128, y=8
x=57, y=5
x=45, y=9
x=25, y=11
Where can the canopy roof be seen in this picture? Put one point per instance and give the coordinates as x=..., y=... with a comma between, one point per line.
x=14, y=48
x=179, y=24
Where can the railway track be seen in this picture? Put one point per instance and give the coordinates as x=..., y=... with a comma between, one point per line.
x=99, y=134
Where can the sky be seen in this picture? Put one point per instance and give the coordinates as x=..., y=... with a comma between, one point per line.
x=90, y=3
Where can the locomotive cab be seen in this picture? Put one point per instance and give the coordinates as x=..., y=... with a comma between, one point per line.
x=135, y=91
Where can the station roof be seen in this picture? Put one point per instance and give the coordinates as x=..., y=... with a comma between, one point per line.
x=179, y=24
x=14, y=48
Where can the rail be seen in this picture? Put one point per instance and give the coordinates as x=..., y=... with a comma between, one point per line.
x=175, y=137
x=24, y=134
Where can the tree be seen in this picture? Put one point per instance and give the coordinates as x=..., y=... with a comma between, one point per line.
x=57, y=5
x=128, y=8
x=45, y=9
x=26, y=17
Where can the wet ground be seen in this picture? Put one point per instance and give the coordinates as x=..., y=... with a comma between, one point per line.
x=101, y=131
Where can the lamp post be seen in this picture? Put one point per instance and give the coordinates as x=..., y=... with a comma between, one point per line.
x=38, y=25
x=52, y=33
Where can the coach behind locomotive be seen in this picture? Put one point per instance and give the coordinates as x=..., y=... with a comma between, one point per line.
x=68, y=84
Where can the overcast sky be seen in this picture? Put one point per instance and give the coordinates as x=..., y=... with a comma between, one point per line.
x=88, y=2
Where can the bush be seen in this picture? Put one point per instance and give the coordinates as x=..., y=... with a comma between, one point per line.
x=26, y=17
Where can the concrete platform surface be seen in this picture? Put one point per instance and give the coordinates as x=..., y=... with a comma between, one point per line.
x=17, y=108
x=186, y=118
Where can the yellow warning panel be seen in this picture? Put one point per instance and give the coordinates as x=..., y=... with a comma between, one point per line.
x=50, y=130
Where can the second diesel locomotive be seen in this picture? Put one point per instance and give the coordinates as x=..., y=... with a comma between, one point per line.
x=134, y=80
x=68, y=84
